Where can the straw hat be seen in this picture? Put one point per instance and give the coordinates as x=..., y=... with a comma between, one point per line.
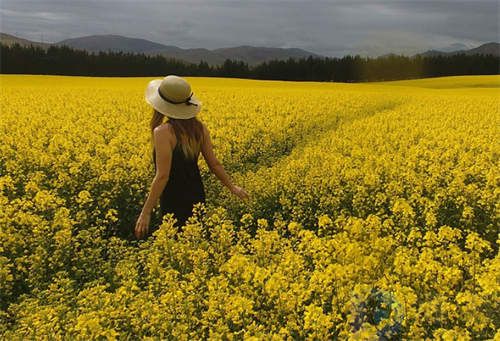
x=172, y=96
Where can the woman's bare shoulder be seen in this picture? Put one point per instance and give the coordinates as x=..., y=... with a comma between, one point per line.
x=166, y=130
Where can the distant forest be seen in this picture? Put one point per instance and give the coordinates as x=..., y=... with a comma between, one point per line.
x=63, y=60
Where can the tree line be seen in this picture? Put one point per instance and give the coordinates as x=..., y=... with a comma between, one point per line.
x=64, y=60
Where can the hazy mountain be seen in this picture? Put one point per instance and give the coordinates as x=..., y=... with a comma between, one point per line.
x=254, y=55
x=9, y=39
x=454, y=47
x=249, y=54
x=112, y=42
x=488, y=48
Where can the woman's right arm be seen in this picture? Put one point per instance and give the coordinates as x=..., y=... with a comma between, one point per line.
x=216, y=167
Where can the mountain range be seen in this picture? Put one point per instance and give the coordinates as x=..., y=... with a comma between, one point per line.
x=488, y=48
x=249, y=54
x=111, y=42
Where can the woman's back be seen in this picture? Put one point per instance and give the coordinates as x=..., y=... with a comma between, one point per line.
x=184, y=178
x=184, y=186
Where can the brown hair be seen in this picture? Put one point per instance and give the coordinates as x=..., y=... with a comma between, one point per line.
x=189, y=133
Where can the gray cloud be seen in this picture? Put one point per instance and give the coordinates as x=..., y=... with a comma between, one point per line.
x=333, y=28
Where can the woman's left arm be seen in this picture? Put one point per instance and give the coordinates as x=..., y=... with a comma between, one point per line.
x=163, y=157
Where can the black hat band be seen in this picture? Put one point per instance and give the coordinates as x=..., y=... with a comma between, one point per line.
x=187, y=100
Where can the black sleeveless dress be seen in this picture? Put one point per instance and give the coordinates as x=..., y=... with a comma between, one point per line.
x=184, y=187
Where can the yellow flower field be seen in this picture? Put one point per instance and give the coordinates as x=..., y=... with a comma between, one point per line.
x=374, y=212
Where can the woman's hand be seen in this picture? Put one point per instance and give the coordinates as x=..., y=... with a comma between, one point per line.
x=142, y=225
x=239, y=192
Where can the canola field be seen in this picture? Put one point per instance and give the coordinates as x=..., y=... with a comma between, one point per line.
x=373, y=214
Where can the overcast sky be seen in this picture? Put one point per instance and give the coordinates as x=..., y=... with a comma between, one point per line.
x=331, y=28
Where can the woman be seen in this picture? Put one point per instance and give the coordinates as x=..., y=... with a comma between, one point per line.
x=177, y=145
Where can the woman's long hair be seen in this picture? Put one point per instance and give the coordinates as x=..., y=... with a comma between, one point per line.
x=189, y=133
